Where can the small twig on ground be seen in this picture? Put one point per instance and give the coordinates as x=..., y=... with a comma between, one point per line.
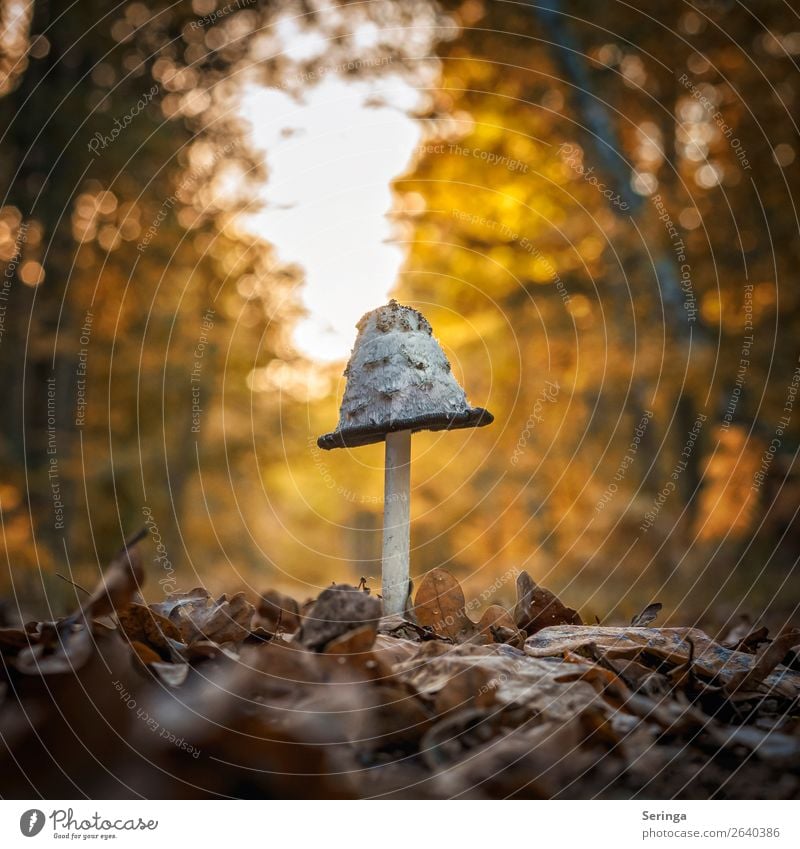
x=74, y=584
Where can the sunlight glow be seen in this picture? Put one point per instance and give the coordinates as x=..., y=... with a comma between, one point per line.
x=331, y=159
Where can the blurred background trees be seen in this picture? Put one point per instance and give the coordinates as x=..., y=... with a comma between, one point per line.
x=612, y=192
x=597, y=218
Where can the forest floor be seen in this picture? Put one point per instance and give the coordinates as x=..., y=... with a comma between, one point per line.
x=200, y=697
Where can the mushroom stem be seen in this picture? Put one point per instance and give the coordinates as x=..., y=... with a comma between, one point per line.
x=396, y=512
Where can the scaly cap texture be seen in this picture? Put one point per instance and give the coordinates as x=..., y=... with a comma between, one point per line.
x=398, y=378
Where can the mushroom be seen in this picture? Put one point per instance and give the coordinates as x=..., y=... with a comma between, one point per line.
x=398, y=381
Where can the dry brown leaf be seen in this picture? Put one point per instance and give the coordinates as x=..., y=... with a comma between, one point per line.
x=472, y=687
x=639, y=677
x=279, y=611
x=260, y=634
x=605, y=682
x=538, y=608
x=172, y=674
x=197, y=597
x=204, y=649
x=339, y=609
x=395, y=718
x=392, y=650
x=515, y=679
x=765, y=661
x=144, y=624
x=497, y=621
x=14, y=639
x=456, y=734
x=744, y=637
x=351, y=657
x=145, y=653
x=65, y=649
x=737, y=632
x=118, y=584
x=354, y=642
x=667, y=644
x=397, y=625
x=67, y=645
x=197, y=617
x=441, y=606
x=780, y=749
x=524, y=763
x=648, y=615
x=750, y=641
x=392, y=713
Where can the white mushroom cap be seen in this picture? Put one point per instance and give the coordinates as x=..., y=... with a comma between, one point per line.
x=398, y=378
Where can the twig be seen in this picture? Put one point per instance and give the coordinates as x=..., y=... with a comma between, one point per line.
x=74, y=584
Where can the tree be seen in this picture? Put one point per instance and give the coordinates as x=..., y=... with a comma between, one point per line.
x=601, y=192
x=122, y=279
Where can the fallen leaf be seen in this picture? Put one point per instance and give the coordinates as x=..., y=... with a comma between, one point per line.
x=197, y=617
x=749, y=641
x=394, y=717
x=472, y=687
x=780, y=749
x=259, y=634
x=392, y=650
x=515, y=679
x=455, y=734
x=353, y=642
x=339, y=609
x=538, y=608
x=386, y=707
x=62, y=649
x=204, y=649
x=523, y=763
x=496, y=622
x=114, y=591
x=172, y=674
x=742, y=627
x=197, y=597
x=441, y=606
x=601, y=679
x=648, y=615
x=639, y=677
x=667, y=644
x=765, y=661
x=145, y=653
x=397, y=625
x=13, y=639
x=676, y=718
x=144, y=624
x=278, y=610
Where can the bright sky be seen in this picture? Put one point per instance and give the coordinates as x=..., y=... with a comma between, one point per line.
x=331, y=159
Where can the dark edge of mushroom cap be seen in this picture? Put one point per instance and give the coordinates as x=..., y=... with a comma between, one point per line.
x=353, y=437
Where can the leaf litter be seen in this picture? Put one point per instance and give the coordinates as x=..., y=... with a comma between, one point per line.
x=201, y=697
